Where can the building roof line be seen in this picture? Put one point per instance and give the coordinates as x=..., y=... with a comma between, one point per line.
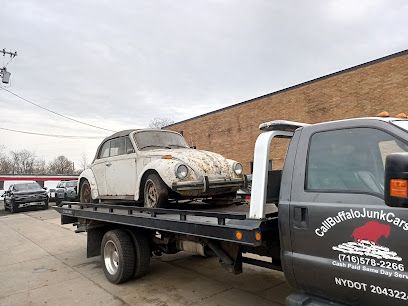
x=327, y=76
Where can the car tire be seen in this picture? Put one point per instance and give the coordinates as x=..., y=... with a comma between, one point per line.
x=118, y=256
x=57, y=201
x=85, y=194
x=13, y=207
x=155, y=192
x=45, y=207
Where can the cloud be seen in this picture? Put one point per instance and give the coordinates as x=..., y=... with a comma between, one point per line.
x=120, y=63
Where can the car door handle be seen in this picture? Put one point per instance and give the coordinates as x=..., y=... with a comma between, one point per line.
x=108, y=164
x=300, y=217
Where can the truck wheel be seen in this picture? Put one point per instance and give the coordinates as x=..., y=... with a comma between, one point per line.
x=155, y=192
x=142, y=254
x=118, y=256
x=85, y=195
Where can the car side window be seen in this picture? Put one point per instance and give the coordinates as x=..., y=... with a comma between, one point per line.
x=129, y=146
x=350, y=160
x=117, y=146
x=104, y=152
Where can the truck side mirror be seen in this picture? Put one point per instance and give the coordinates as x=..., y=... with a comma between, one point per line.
x=396, y=180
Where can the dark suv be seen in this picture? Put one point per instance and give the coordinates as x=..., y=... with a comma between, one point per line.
x=23, y=195
x=66, y=191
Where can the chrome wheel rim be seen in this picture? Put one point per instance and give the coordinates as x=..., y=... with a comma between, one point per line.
x=111, y=257
x=151, y=194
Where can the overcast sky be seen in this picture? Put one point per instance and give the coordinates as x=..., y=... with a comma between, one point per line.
x=118, y=64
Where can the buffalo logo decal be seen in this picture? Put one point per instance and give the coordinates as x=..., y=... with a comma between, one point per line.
x=366, y=239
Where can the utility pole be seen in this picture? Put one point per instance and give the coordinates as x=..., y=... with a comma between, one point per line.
x=4, y=74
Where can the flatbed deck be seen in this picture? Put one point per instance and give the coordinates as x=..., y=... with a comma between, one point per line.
x=219, y=223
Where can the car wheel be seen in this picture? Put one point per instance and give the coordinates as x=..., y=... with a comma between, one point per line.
x=85, y=195
x=58, y=201
x=155, y=192
x=45, y=207
x=13, y=207
x=118, y=256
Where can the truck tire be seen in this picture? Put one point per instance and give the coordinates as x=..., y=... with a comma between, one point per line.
x=85, y=195
x=142, y=254
x=118, y=256
x=155, y=192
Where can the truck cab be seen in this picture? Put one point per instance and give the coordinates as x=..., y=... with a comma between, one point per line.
x=340, y=238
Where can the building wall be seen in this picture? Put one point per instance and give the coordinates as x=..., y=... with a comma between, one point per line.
x=364, y=90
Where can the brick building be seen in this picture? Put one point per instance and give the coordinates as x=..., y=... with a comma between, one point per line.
x=363, y=90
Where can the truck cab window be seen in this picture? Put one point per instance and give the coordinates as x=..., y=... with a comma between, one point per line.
x=350, y=160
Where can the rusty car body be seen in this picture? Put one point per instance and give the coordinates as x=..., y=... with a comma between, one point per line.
x=154, y=166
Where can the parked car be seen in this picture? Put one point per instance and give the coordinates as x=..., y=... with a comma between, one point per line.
x=153, y=166
x=51, y=194
x=23, y=195
x=66, y=191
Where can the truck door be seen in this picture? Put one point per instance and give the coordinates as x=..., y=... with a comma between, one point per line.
x=347, y=243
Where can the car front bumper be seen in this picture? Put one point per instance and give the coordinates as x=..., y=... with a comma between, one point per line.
x=209, y=186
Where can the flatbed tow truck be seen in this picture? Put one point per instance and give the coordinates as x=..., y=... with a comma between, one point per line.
x=334, y=220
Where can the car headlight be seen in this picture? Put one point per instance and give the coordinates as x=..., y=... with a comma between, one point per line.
x=238, y=169
x=181, y=171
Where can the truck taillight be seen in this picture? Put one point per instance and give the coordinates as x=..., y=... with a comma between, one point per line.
x=399, y=188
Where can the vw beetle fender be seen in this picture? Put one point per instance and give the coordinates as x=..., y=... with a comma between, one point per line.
x=88, y=175
x=165, y=168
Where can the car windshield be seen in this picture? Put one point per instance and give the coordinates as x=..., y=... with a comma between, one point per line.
x=27, y=187
x=402, y=124
x=71, y=184
x=148, y=140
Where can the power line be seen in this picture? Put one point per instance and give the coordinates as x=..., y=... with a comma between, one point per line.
x=53, y=135
x=54, y=112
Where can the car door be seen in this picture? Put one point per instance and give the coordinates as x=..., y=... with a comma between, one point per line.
x=346, y=243
x=121, y=170
x=99, y=168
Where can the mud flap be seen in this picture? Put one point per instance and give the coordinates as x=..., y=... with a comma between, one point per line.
x=230, y=255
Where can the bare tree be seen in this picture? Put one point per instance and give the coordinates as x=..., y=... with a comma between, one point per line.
x=84, y=161
x=22, y=162
x=158, y=123
x=40, y=166
x=61, y=165
x=5, y=162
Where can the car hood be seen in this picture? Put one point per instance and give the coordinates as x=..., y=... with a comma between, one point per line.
x=30, y=192
x=202, y=162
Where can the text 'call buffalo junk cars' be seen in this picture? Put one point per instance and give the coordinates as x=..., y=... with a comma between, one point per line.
x=24, y=195
x=154, y=166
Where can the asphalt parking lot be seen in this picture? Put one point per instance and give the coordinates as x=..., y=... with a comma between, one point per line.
x=44, y=263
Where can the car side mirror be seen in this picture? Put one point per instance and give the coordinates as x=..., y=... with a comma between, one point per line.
x=396, y=180
x=45, y=188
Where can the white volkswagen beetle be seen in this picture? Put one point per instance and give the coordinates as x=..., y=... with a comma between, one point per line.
x=153, y=166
